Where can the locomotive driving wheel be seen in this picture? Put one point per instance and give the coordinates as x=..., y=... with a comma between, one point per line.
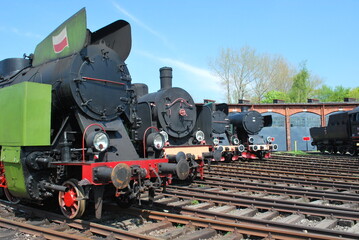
x=10, y=197
x=72, y=203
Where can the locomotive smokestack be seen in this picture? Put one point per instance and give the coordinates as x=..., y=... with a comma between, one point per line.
x=166, y=77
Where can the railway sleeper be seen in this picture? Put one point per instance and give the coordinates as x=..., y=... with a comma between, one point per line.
x=223, y=209
x=292, y=219
x=204, y=205
x=204, y=233
x=152, y=227
x=327, y=223
x=354, y=229
x=180, y=203
x=7, y=234
x=268, y=215
x=246, y=212
x=177, y=233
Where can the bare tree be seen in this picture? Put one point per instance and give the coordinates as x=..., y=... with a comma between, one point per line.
x=283, y=79
x=247, y=74
x=236, y=71
x=274, y=73
x=223, y=66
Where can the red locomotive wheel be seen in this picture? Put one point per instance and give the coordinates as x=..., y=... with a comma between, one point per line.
x=71, y=203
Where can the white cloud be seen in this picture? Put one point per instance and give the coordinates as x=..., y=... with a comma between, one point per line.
x=142, y=25
x=201, y=79
x=201, y=76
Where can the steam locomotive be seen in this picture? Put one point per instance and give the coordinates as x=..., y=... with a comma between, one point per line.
x=184, y=125
x=71, y=125
x=340, y=135
x=236, y=135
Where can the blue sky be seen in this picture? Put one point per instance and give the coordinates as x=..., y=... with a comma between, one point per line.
x=187, y=34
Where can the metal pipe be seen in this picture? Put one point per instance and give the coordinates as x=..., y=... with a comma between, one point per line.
x=54, y=187
x=166, y=77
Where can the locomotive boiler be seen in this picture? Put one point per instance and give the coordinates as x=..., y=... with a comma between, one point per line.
x=340, y=135
x=70, y=122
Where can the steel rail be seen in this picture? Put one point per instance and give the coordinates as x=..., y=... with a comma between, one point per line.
x=243, y=228
x=320, y=166
x=234, y=184
x=95, y=228
x=292, y=172
x=283, y=179
x=285, y=166
x=261, y=203
x=37, y=231
x=208, y=214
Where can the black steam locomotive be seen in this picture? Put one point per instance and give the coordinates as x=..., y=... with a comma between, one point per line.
x=340, y=135
x=186, y=127
x=237, y=134
x=71, y=124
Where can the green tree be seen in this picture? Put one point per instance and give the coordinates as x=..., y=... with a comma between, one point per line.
x=339, y=94
x=328, y=94
x=271, y=95
x=301, y=86
x=354, y=93
x=324, y=93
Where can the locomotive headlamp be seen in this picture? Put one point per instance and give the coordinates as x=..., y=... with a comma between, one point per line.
x=165, y=135
x=156, y=140
x=215, y=141
x=235, y=140
x=199, y=136
x=251, y=140
x=241, y=148
x=269, y=139
x=100, y=141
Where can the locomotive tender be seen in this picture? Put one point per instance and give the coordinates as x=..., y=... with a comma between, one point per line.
x=70, y=123
x=237, y=134
x=340, y=135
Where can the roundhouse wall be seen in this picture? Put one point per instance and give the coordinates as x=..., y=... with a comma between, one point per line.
x=289, y=109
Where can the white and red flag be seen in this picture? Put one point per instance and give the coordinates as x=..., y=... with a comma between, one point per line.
x=60, y=41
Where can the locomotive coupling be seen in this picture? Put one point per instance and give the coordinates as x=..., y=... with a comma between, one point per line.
x=181, y=169
x=120, y=175
x=177, y=165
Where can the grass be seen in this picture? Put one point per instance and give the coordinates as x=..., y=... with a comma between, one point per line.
x=294, y=152
x=194, y=202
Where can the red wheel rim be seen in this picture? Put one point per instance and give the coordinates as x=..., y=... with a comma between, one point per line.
x=71, y=203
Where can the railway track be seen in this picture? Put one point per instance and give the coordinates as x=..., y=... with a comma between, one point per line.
x=238, y=200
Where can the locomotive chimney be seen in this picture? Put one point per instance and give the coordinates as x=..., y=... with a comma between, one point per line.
x=166, y=77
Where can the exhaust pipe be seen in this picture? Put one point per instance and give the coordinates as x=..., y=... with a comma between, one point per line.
x=166, y=77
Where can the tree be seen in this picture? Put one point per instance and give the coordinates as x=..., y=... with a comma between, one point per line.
x=324, y=93
x=271, y=95
x=354, y=93
x=339, y=94
x=300, y=88
x=274, y=74
x=223, y=67
x=247, y=74
x=328, y=94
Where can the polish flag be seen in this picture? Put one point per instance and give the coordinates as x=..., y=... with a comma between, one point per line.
x=60, y=41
